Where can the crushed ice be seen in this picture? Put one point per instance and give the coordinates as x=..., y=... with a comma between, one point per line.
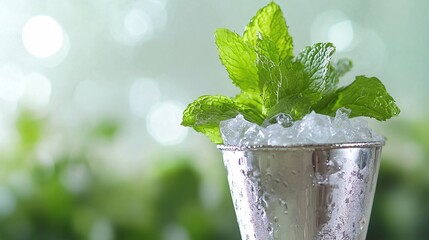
x=312, y=129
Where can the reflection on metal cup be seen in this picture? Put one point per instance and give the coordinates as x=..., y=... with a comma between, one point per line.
x=304, y=192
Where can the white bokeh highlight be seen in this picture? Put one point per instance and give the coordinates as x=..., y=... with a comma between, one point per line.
x=333, y=26
x=163, y=123
x=139, y=22
x=143, y=94
x=341, y=34
x=42, y=36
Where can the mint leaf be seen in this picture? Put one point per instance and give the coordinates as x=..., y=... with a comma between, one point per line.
x=294, y=105
x=316, y=61
x=252, y=101
x=267, y=49
x=270, y=22
x=239, y=60
x=273, y=81
x=296, y=81
x=280, y=78
x=335, y=71
x=364, y=97
x=269, y=72
x=206, y=112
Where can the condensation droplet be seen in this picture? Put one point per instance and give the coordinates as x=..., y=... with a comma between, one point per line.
x=362, y=223
x=330, y=198
x=283, y=204
x=285, y=184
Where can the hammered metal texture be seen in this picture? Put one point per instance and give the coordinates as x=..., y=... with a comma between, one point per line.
x=304, y=192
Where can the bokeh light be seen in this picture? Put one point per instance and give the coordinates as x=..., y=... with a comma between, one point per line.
x=143, y=94
x=341, y=34
x=333, y=26
x=138, y=22
x=42, y=36
x=163, y=123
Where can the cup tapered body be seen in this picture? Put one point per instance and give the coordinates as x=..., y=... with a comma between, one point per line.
x=305, y=192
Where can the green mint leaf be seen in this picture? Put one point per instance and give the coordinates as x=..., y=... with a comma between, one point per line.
x=205, y=114
x=267, y=49
x=239, y=60
x=294, y=105
x=296, y=81
x=335, y=71
x=316, y=61
x=270, y=22
x=280, y=78
x=269, y=72
x=272, y=80
x=364, y=97
x=252, y=101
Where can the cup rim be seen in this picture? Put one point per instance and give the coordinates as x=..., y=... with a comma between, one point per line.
x=309, y=146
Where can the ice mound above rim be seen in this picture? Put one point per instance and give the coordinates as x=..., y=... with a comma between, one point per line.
x=312, y=129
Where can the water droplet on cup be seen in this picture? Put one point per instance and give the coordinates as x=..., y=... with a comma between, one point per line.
x=285, y=184
x=362, y=223
x=283, y=203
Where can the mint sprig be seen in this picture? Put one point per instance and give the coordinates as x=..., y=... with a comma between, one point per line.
x=272, y=80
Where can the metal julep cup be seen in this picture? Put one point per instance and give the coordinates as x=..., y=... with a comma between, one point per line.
x=304, y=192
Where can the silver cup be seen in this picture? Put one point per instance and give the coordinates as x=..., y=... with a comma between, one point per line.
x=304, y=192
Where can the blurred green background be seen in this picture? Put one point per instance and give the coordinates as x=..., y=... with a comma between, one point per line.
x=91, y=96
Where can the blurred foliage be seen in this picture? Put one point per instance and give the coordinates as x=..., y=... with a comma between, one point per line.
x=69, y=198
x=401, y=209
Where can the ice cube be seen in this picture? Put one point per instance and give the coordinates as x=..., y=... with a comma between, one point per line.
x=313, y=128
x=254, y=135
x=278, y=135
x=233, y=130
